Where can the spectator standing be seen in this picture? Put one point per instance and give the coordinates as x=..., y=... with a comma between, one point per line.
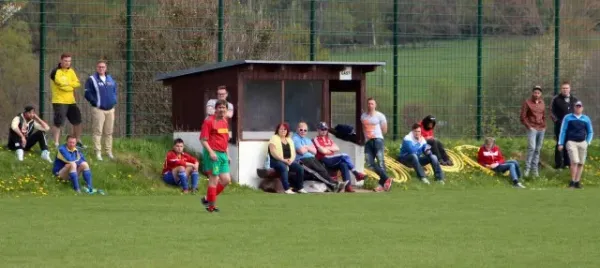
x=533, y=117
x=576, y=134
x=374, y=126
x=562, y=104
x=63, y=82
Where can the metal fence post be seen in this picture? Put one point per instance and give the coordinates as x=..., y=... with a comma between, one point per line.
x=313, y=33
x=129, y=70
x=479, y=63
x=220, y=41
x=42, y=60
x=395, y=66
x=556, y=46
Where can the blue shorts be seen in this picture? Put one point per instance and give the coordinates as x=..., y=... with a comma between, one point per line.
x=168, y=178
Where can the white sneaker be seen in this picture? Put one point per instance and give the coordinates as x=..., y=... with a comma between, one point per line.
x=99, y=156
x=46, y=156
x=56, y=144
x=289, y=191
x=302, y=191
x=111, y=156
x=425, y=180
x=519, y=185
x=527, y=173
x=441, y=182
x=20, y=154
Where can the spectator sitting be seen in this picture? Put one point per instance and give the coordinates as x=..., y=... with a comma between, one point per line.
x=70, y=162
x=416, y=153
x=305, y=154
x=490, y=157
x=328, y=153
x=178, y=166
x=26, y=130
x=437, y=148
x=282, y=154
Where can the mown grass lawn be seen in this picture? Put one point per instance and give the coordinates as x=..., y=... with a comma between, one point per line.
x=434, y=227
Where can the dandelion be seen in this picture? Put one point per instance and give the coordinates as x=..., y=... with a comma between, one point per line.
x=129, y=176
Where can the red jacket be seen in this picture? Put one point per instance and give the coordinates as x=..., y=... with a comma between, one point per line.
x=485, y=157
x=173, y=160
x=427, y=134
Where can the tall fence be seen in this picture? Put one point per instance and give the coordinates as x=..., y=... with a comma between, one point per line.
x=470, y=63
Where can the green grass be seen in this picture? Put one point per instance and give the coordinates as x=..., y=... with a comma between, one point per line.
x=436, y=227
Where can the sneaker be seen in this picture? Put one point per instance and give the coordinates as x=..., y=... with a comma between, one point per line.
x=89, y=190
x=519, y=185
x=289, y=191
x=204, y=202
x=378, y=189
x=46, y=156
x=360, y=176
x=302, y=191
x=111, y=156
x=441, y=182
x=449, y=162
x=20, y=154
x=341, y=186
x=99, y=156
x=212, y=209
x=425, y=180
x=387, y=185
x=349, y=189
x=571, y=184
x=186, y=191
x=527, y=173
x=536, y=173
x=577, y=185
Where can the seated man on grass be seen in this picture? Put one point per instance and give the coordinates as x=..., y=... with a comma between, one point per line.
x=329, y=154
x=489, y=156
x=69, y=163
x=305, y=154
x=416, y=153
x=178, y=166
x=27, y=130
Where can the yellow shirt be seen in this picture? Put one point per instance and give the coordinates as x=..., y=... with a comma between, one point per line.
x=63, y=83
x=276, y=140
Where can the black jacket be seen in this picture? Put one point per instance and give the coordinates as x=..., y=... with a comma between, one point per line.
x=562, y=106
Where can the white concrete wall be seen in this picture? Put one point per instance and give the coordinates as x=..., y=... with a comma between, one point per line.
x=251, y=155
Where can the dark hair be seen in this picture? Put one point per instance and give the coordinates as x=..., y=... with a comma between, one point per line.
x=284, y=125
x=415, y=126
x=221, y=102
x=222, y=87
x=536, y=88
x=371, y=99
x=178, y=141
x=430, y=119
x=29, y=108
x=71, y=137
x=65, y=55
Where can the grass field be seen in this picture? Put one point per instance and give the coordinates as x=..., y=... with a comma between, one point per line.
x=474, y=220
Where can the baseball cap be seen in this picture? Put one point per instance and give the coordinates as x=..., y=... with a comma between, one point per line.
x=537, y=88
x=322, y=126
x=578, y=103
x=29, y=108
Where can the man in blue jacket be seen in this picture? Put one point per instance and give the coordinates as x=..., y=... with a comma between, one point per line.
x=69, y=162
x=576, y=134
x=101, y=93
x=416, y=153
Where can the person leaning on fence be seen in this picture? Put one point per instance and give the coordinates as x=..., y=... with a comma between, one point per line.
x=282, y=154
x=69, y=162
x=490, y=156
x=27, y=130
x=101, y=93
x=329, y=154
x=533, y=117
x=374, y=127
x=562, y=104
x=305, y=155
x=179, y=166
x=437, y=148
x=576, y=134
x=416, y=153
x=63, y=82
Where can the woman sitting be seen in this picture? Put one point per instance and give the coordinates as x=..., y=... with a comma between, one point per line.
x=490, y=157
x=437, y=148
x=282, y=154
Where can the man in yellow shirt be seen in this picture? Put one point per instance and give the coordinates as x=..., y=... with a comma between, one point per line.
x=63, y=82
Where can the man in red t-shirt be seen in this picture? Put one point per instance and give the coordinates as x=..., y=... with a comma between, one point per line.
x=183, y=165
x=214, y=137
x=328, y=153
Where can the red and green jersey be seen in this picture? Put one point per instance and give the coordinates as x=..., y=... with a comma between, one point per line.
x=216, y=132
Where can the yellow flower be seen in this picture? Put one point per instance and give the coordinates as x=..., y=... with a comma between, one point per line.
x=129, y=176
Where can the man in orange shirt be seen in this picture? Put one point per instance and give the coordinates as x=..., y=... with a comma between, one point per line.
x=180, y=165
x=375, y=126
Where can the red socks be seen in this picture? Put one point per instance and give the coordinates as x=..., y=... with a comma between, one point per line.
x=220, y=188
x=211, y=194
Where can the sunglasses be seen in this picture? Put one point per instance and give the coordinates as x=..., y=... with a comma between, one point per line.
x=302, y=130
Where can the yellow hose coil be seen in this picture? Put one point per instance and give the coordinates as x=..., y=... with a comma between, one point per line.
x=469, y=161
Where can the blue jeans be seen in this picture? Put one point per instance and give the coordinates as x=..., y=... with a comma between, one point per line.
x=535, y=140
x=282, y=170
x=416, y=162
x=513, y=166
x=342, y=163
x=374, y=150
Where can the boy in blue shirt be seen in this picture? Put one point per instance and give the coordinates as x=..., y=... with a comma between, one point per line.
x=576, y=134
x=69, y=162
x=416, y=153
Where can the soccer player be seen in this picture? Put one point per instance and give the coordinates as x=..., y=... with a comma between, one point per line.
x=70, y=162
x=179, y=166
x=215, y=160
